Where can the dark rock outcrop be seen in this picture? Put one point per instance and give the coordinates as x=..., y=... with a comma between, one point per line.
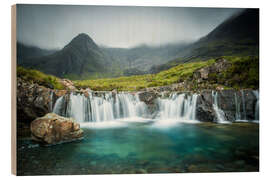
x=35, y=101
x=227, y=101
x=54, y=129
x=205, y=73
x=204, y=108
x=149, y=98
x=32, y=101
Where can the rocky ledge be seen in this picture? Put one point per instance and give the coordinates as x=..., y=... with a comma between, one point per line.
x=35, y=101
x=55, y=129
x=231, y=102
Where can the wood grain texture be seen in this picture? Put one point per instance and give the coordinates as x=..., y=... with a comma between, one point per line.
x=13, y=92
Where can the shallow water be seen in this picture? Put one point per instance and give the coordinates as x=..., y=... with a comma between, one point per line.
x=147, y=147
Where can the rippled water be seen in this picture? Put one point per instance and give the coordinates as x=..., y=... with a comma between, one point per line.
x=147, y=147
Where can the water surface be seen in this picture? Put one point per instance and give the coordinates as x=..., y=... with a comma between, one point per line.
x=147, y=147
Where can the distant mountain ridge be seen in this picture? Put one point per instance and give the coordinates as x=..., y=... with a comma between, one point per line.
x=26, y=51
x=82, y=58
x=236, y=36
x=143, y=57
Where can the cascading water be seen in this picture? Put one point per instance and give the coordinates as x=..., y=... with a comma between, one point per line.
x=219, y=113
x=51, y=101
x=256, y=93
x=241, y=116
x=77, y=107
x=58, y=106
x=107, y=106
x=178, y=106
x=237, y=107
x=243, y=105
x=98, y=109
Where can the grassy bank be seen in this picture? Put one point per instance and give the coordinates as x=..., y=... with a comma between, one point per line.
x=132, y=83
x=38, y=77
x=243, y=73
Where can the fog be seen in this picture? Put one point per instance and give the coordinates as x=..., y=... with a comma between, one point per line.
x=53, y=26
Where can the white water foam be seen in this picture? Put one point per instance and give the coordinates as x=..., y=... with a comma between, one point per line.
x=219, y=112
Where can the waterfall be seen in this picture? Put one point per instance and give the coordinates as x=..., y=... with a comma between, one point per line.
x=237, y=107
x=77, y=107
x=58, y=106
x=98, y=109
x=219, y=113
x=256, y=93
x=108, y=106
x=243, y=105
x=51, y=101
x=178, y=107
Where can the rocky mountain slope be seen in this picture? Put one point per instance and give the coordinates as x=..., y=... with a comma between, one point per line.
x=25, y=52
x=237, y=36
x=143, y=57
x=80, y=58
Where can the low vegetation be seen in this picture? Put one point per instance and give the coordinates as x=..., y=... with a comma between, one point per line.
x=132, y=83
x=38, y=77
x=243, y=73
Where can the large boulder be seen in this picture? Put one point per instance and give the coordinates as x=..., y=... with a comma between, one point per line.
x=54, y=129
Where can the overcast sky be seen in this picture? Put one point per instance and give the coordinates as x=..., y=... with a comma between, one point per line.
x=51, y=26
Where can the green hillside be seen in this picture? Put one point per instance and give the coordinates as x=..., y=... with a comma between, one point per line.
x=243, y=73
x=38, y=77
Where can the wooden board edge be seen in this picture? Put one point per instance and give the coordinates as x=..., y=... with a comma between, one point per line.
x=13, y=92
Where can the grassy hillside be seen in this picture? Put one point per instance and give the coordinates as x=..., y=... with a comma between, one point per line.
x=243, y=73
x=132, y=83
x=38, y=77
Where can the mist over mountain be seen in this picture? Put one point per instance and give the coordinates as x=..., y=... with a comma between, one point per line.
x=236, y=36
x=143, y=57
x=26, y=51
x=82, y=58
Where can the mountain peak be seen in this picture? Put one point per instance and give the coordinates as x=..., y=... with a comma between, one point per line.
x=243, y=25
x=82, y=41
x=83, y=36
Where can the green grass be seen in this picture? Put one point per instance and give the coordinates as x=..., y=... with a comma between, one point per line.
x=243, y=73
x=133, y=83
x=38, y=77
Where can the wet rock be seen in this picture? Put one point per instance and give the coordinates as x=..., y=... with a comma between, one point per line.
x=60, y=93
x=147, y=96
x=32, y=101
x=53, y=129
x=204, y=109
x=68, y=84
